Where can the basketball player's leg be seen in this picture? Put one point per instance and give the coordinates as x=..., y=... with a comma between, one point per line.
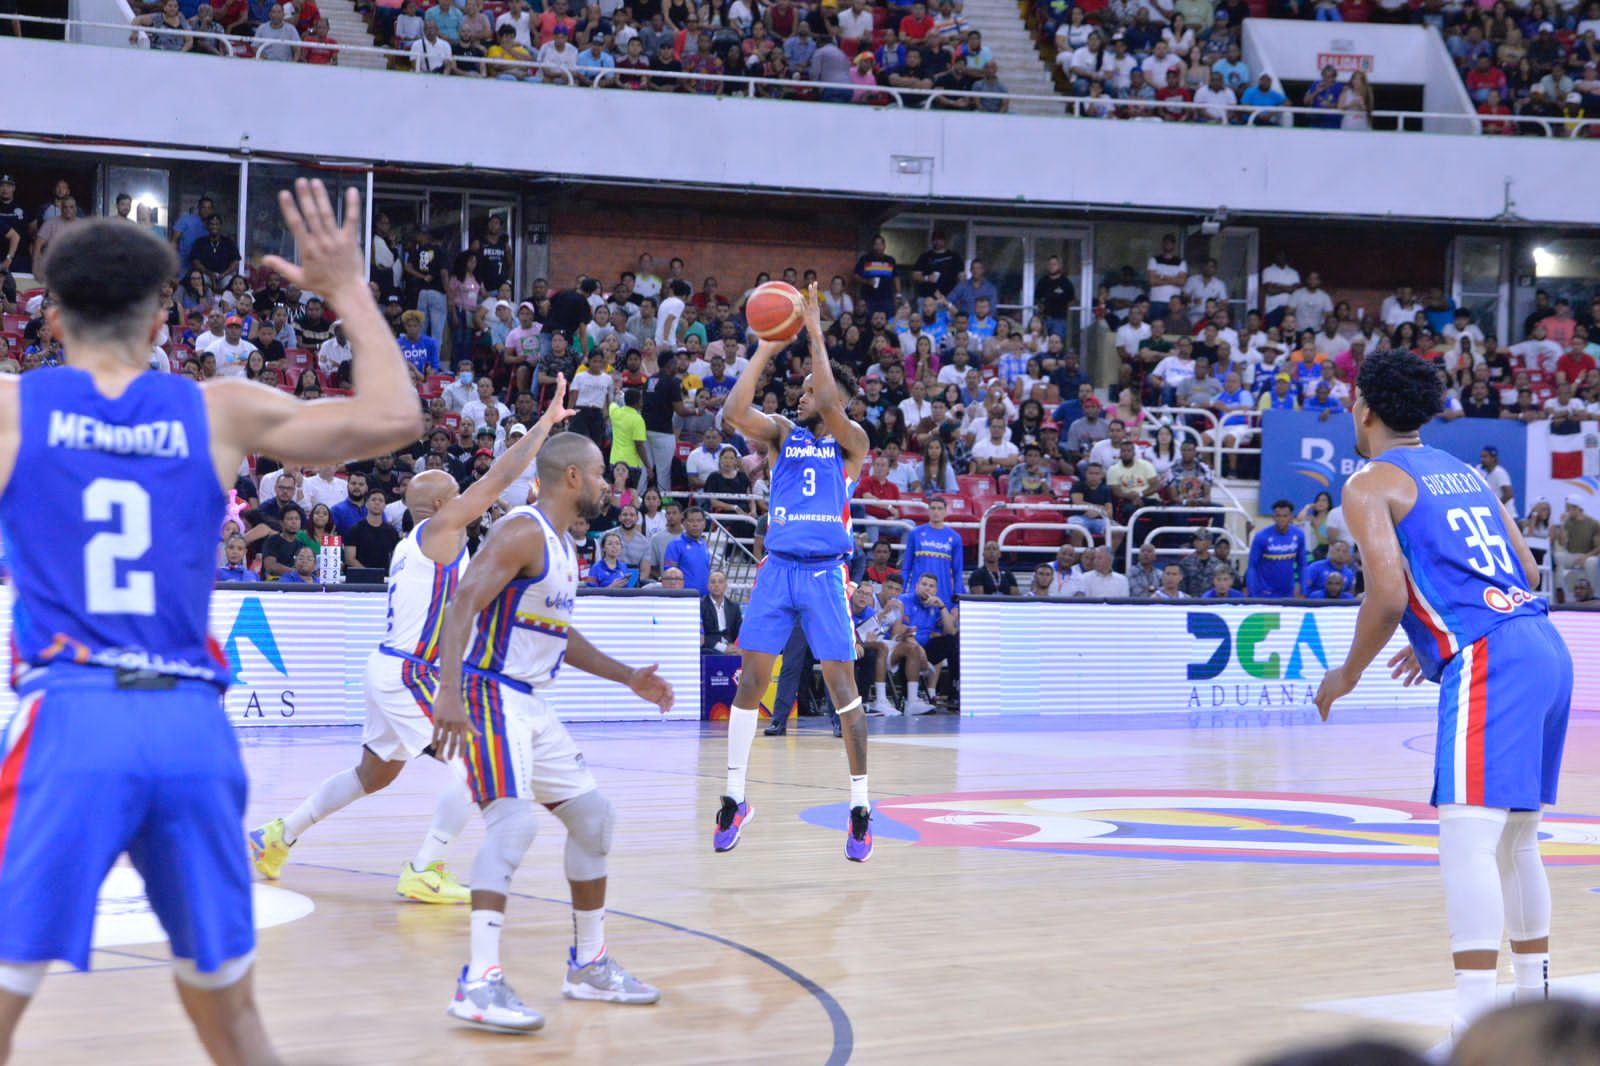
x=824, y=603
x=69, y=812
x=769, y=621
x=562, y=782
x=500, y=750
x=198, y=881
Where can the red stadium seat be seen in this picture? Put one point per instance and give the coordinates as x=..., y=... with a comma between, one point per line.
x=684, y=449
x=297, y=359
x=974, y=485
x=849, y=46
x=881, y=18
x=11, y=323
x=450, y=420
x=15, y=340
x=961, y=510
x=1061, y=485
x=1039, y=538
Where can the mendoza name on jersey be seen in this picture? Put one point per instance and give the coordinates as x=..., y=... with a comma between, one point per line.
x=162, y=440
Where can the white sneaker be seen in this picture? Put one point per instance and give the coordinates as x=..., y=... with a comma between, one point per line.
x=489, y=1002
x=880, y=706
x=915, y=704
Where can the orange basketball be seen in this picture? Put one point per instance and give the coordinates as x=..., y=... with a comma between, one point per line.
x=775, y=311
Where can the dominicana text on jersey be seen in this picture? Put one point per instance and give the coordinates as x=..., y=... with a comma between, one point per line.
x=810, y=503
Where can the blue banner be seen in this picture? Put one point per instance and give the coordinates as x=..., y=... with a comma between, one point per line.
x=1302, y=455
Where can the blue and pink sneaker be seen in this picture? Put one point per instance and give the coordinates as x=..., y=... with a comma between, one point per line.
x=732, y=817
x=858, y=844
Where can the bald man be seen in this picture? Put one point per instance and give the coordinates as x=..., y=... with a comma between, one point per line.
x=402, y=674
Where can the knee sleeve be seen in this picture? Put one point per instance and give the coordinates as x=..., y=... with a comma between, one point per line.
x=1469, y=841
x=22, y=978
x=589, y=819
x=228, y=974
x=510, y=826
x=1522, y=878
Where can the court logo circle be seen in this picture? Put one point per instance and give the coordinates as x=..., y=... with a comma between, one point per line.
x=123, y=916
x=1185, y=825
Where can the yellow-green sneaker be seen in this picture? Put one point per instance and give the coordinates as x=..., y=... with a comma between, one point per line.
x=431, y=884
x=268, y=851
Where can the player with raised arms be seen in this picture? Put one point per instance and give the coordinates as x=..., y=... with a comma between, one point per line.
x=402, y=673
x=1445, y=559
x=122, y=744
x=507, y=632
x=805, y=578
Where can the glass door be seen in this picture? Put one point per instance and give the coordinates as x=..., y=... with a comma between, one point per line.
x=1016, y=258
x=498, y=262
x=1480, y=282
x=1237, y=252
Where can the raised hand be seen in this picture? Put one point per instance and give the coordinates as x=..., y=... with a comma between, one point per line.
x=331, y=259
x=558, y=412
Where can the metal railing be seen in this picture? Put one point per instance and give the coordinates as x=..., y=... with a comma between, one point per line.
x=739, y=84
x=1063, y=527
x=1129, y=547
x=1178, y=420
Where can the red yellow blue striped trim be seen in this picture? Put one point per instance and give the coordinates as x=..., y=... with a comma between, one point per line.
x=489, y=765
x=445, y=579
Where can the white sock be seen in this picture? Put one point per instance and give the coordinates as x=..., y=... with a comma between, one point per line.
x=1533, y=976
x=883, y=692
x=588, y=935
x=450, y=816
x=1474, y=996
x=858, y=790
x=334, y=794
x=741, y=734
x=485, y=943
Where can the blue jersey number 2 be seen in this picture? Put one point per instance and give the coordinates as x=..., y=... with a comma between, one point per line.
x=103, y=499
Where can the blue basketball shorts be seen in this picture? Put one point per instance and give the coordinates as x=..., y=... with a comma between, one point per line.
x=1503, y=706
x=816, y=596
x=90, y=770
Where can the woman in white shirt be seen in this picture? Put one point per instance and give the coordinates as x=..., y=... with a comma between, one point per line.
x=1179, y=37
x=1075, y=34
x=836, y=301
x=1355, y=103
x=740, y=17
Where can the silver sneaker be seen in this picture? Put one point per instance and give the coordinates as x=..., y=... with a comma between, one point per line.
x=605, y=980
x=490, y=1002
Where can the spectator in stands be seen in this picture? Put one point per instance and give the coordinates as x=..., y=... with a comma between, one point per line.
x=729, y=479
x=304, y=568
x=1094, y=495
x=1263, y=100
x=1576, y=542
x=1031, y=476
x=371, y=542
x=925, y=640
x=635, y=542
x=170, y=19
x=1083, y=432
x=282, y=39
x=1222, y=586
x=1583, y=594
x=347, y=512
x=609, y=571
x=1337, y=562
x=1277, y=556
x=688, y=552
x=1497, y=476
x=421, y=351
x=996, y=453
x=663, y=398
x=989, y=577
x=1099, y=581
x=278, y=553
x=1310, y=303
x=235, y=568
x=720, y=617
x=1144, y=578
x=1199, y=565
x=1132, y=480
x=1172, y=584
x=1335, y=588
x=933, y=548
x=1043, y=582
x=216, y=255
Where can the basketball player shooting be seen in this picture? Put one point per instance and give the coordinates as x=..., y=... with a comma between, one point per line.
x=805, y=578
x=507, y=632
x=121, y=743
x=1444, y=558
x=403, y=671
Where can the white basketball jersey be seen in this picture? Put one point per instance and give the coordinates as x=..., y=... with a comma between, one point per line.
x=523, y=633
x=418, y=591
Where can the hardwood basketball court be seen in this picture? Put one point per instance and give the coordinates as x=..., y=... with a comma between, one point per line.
x=1188, y=915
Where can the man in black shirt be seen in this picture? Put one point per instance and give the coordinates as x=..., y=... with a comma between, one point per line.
x=875, y=274
x=424, y=277
x=271, y=295
x=990, y=578
x=314, y=327
x=664, y=62
x=277, y=554
x=494, y=256
x=663, y=398
x=216, y=255
x=1055, y=295
x=937, y=270
x=569, y=309
x=13, y=222
x=371, y=541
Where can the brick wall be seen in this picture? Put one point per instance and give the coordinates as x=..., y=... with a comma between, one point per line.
x=730, y=238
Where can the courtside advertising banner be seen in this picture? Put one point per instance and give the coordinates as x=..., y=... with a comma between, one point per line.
x=1302, y=455
x=1063, y=657
x=298, y=657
